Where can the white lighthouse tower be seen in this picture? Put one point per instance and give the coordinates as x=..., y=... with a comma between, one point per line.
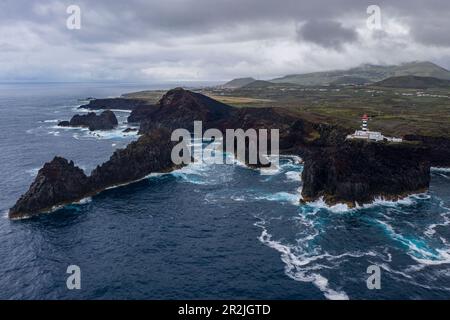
x=365, y=134
x=365, y=119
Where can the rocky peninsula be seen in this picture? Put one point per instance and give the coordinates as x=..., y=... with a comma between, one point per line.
x=336, y=169
x=60, y=182
x=105, y=121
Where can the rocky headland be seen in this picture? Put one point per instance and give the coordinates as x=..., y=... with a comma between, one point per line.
x=114, y=104
x=105, y=121
x=60, y=182
x=336, y=169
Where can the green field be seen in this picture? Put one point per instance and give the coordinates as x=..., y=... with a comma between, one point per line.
x=392, y=111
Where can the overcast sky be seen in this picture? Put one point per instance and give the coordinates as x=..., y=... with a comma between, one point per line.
x=166, y=40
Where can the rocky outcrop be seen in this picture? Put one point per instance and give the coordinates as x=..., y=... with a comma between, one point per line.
x=128, y=130
x=359, y=171
x=59, y=182
x=335, y=169
x=114, y=104
x=105, y=121
x=150, y=153
x=439, y=148
x=179, y=108
x=141, y=113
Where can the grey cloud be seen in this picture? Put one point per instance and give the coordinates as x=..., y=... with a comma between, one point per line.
x=221, y=38
x=434, y=32
x=329, y=34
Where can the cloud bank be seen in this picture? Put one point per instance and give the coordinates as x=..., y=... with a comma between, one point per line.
x=158, y=41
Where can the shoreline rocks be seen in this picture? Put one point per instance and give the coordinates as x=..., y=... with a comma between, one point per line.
x=335, y=169
x=105, y=121
x=360, y=171
x=60, y=182
x=114, y=103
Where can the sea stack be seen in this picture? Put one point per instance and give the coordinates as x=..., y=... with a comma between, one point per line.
x=105, y=121
x=60, y=182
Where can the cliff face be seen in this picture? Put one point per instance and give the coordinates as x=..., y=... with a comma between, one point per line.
x=439, y=149
x=59, y=182
x=359, y=171
x=335, y=169
x=179, y=108
x=141, y=113
x=105, y=121
x=150, y=153
x=114, y=103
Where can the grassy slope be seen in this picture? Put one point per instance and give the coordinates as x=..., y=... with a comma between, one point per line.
x=393, y=111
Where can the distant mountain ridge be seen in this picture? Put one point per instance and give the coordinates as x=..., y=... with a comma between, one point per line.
x=367, y=72
x=413, y=82
x=238, y=83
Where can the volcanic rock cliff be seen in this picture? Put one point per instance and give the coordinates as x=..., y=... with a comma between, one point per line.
x=360, y=171
x=105, y=121
x=439, y=148
x=59, y=182
x=114, y=104
x=335, y=169
x=179, y=108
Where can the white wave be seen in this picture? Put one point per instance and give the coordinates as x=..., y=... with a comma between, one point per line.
x=238, y=198
x=440, y=169
x=84, y=201
x=86, y=134
x=194, y=179
x=295, y=267
x=54, y=133
x=119, y=110
x=35, y=130
x=77, y=109
x=431, y=229
x=33, y=172
x=337, y=208
x=387, y=267
x=281, y=197
x=293, y=175
x=51, y=121
x=379, y=201
x=418, y=249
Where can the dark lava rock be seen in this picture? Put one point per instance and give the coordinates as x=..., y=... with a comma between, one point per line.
x=439, y=148
x=114, y=103
x=64, y=124
x=58, y=182
x=150, y=153
x=179, y=108
x=105, y=121
x=141, y=113
x=360, y=171
x=129, y=130
x=335, y=169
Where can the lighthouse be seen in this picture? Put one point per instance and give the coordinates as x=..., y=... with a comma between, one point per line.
x=365, y=118
x=365, y=134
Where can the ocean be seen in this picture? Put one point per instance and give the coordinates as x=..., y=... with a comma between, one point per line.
x=204, y=231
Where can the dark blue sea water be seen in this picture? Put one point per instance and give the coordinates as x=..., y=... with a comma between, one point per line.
x=206, y=231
